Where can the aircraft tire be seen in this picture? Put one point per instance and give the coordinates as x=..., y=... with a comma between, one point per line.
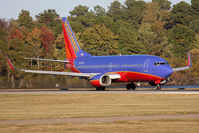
x=133, y=86
x=97, y=88
x=100, y=88
x=128, y=87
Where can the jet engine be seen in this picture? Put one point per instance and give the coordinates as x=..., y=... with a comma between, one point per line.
x=103, y=80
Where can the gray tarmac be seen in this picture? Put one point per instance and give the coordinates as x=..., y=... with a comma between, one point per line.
x=99, y=92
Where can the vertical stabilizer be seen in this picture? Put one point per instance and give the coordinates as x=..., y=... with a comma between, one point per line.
x=72, y=48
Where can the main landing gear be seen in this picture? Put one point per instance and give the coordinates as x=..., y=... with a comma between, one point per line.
x=100, y=88
x=130, y=86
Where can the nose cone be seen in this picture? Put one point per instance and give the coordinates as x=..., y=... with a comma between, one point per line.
x=170, y=71
x=167, y=71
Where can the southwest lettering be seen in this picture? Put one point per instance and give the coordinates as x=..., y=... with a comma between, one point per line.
x=73, y=42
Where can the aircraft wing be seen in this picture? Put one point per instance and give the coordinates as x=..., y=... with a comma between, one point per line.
x=180, y=69
x=83, y=75
x=184, y=68
x=62, y=61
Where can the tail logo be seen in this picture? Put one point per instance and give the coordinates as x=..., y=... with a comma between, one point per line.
x=70, y=34
x=72, y=48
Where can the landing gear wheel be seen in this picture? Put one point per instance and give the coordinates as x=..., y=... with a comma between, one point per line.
x=100, y=88
x=130, y=86
x=133, y=86
x=158, y=87
x=97, y=88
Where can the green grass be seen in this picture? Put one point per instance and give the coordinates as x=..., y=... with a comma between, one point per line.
x=85, y=105
x=27, y=106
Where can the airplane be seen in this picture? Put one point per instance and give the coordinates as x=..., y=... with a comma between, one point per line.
x=101, y=71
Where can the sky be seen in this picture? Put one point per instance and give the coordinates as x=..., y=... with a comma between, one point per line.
x=11, y=8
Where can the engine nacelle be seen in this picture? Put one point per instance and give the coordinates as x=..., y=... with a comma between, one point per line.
x=105, y=80
x=162, y=82
x=101, y=80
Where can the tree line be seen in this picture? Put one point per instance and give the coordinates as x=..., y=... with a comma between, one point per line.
x=134, y=27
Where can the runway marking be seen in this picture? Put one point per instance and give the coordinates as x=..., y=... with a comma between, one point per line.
x=98, y=119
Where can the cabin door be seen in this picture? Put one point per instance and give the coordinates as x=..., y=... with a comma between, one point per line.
x=146, y=65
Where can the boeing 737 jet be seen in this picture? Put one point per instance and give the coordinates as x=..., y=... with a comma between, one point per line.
x=101, y=71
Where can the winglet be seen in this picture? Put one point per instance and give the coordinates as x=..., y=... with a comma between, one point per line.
x=10, y=64
x=184, y=68
x=189, y=60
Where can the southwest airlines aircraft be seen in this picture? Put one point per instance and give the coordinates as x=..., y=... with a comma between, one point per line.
x=101, y=71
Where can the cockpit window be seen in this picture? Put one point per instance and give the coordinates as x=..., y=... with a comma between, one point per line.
x=160, y=63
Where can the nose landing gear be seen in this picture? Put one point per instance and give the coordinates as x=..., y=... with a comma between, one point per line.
x=158, y=87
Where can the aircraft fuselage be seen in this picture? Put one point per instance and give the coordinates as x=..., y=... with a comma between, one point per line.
x=137, y=68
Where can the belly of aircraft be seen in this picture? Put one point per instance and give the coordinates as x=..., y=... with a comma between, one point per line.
x=130, y=76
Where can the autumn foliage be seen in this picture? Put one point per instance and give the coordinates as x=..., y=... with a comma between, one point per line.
x=47, y=40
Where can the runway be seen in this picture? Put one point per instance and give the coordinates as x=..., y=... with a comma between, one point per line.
x=100, y=92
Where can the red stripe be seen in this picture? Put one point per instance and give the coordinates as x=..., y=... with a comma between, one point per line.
x=68, y=54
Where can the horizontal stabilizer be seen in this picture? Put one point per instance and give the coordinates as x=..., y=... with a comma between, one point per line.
x=50, y=60
x=83, y=75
